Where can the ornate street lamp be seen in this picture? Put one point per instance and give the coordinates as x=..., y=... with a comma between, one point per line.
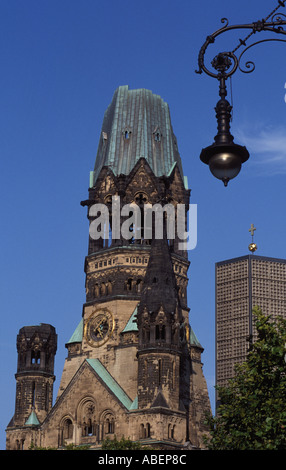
x=224, y=157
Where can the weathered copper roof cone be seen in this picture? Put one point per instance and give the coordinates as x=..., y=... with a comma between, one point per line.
x=137, y=124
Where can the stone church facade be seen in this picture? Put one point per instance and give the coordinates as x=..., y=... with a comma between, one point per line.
x=133, y=365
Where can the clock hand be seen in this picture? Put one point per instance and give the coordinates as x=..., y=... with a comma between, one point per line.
x=99, y=331
x=97, y=324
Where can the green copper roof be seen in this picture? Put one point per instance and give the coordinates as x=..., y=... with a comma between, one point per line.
x=77, y=334
x=193, y=339
x=137, y=124
x=32, y=420
x=110, y=382
x=131, y=325
x=134, y=405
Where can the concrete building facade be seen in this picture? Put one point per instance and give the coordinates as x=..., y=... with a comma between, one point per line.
x=241, y=284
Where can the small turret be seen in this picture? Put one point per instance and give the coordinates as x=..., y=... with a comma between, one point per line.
x=36, y=347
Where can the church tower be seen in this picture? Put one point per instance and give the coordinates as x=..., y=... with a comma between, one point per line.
x=133, y=365
x=36, y=347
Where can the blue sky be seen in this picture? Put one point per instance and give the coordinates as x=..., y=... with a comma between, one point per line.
x=61, y=61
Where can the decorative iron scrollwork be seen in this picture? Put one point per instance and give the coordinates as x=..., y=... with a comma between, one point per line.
x=226, y=63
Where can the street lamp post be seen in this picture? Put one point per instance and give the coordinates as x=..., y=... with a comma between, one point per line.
x=224, y=157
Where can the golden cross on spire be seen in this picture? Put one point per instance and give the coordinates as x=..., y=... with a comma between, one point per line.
x=252, y=229
x=252, y=247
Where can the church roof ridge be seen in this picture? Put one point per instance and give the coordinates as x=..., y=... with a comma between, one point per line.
x=111, y=383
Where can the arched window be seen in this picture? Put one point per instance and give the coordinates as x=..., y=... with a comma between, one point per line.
x=171, y=431
x=109, y=287
x=96, y=290
x=19, y=444
x=160, y=332
x=129, y=284
x=146, y=334
x=148, y=430
x=139, y=284
x=126, y=133
x=35, y=357
x=103, y=289
x=141, y=431
x=108, y=423
x=87, y=417
x=89, y=428
x=157, y=336
x=144, y=431
x=67, y=429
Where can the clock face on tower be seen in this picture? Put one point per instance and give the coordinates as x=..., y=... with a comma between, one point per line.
x=99, y=327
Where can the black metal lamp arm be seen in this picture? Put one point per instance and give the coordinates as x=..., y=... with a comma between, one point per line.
x=226, y=63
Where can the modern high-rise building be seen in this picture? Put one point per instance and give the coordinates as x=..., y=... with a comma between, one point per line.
x=133, y=365
x=241, y=284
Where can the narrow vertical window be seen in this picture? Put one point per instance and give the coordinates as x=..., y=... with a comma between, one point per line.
x=159, y=371
x=89, y=428
x=148, y=430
